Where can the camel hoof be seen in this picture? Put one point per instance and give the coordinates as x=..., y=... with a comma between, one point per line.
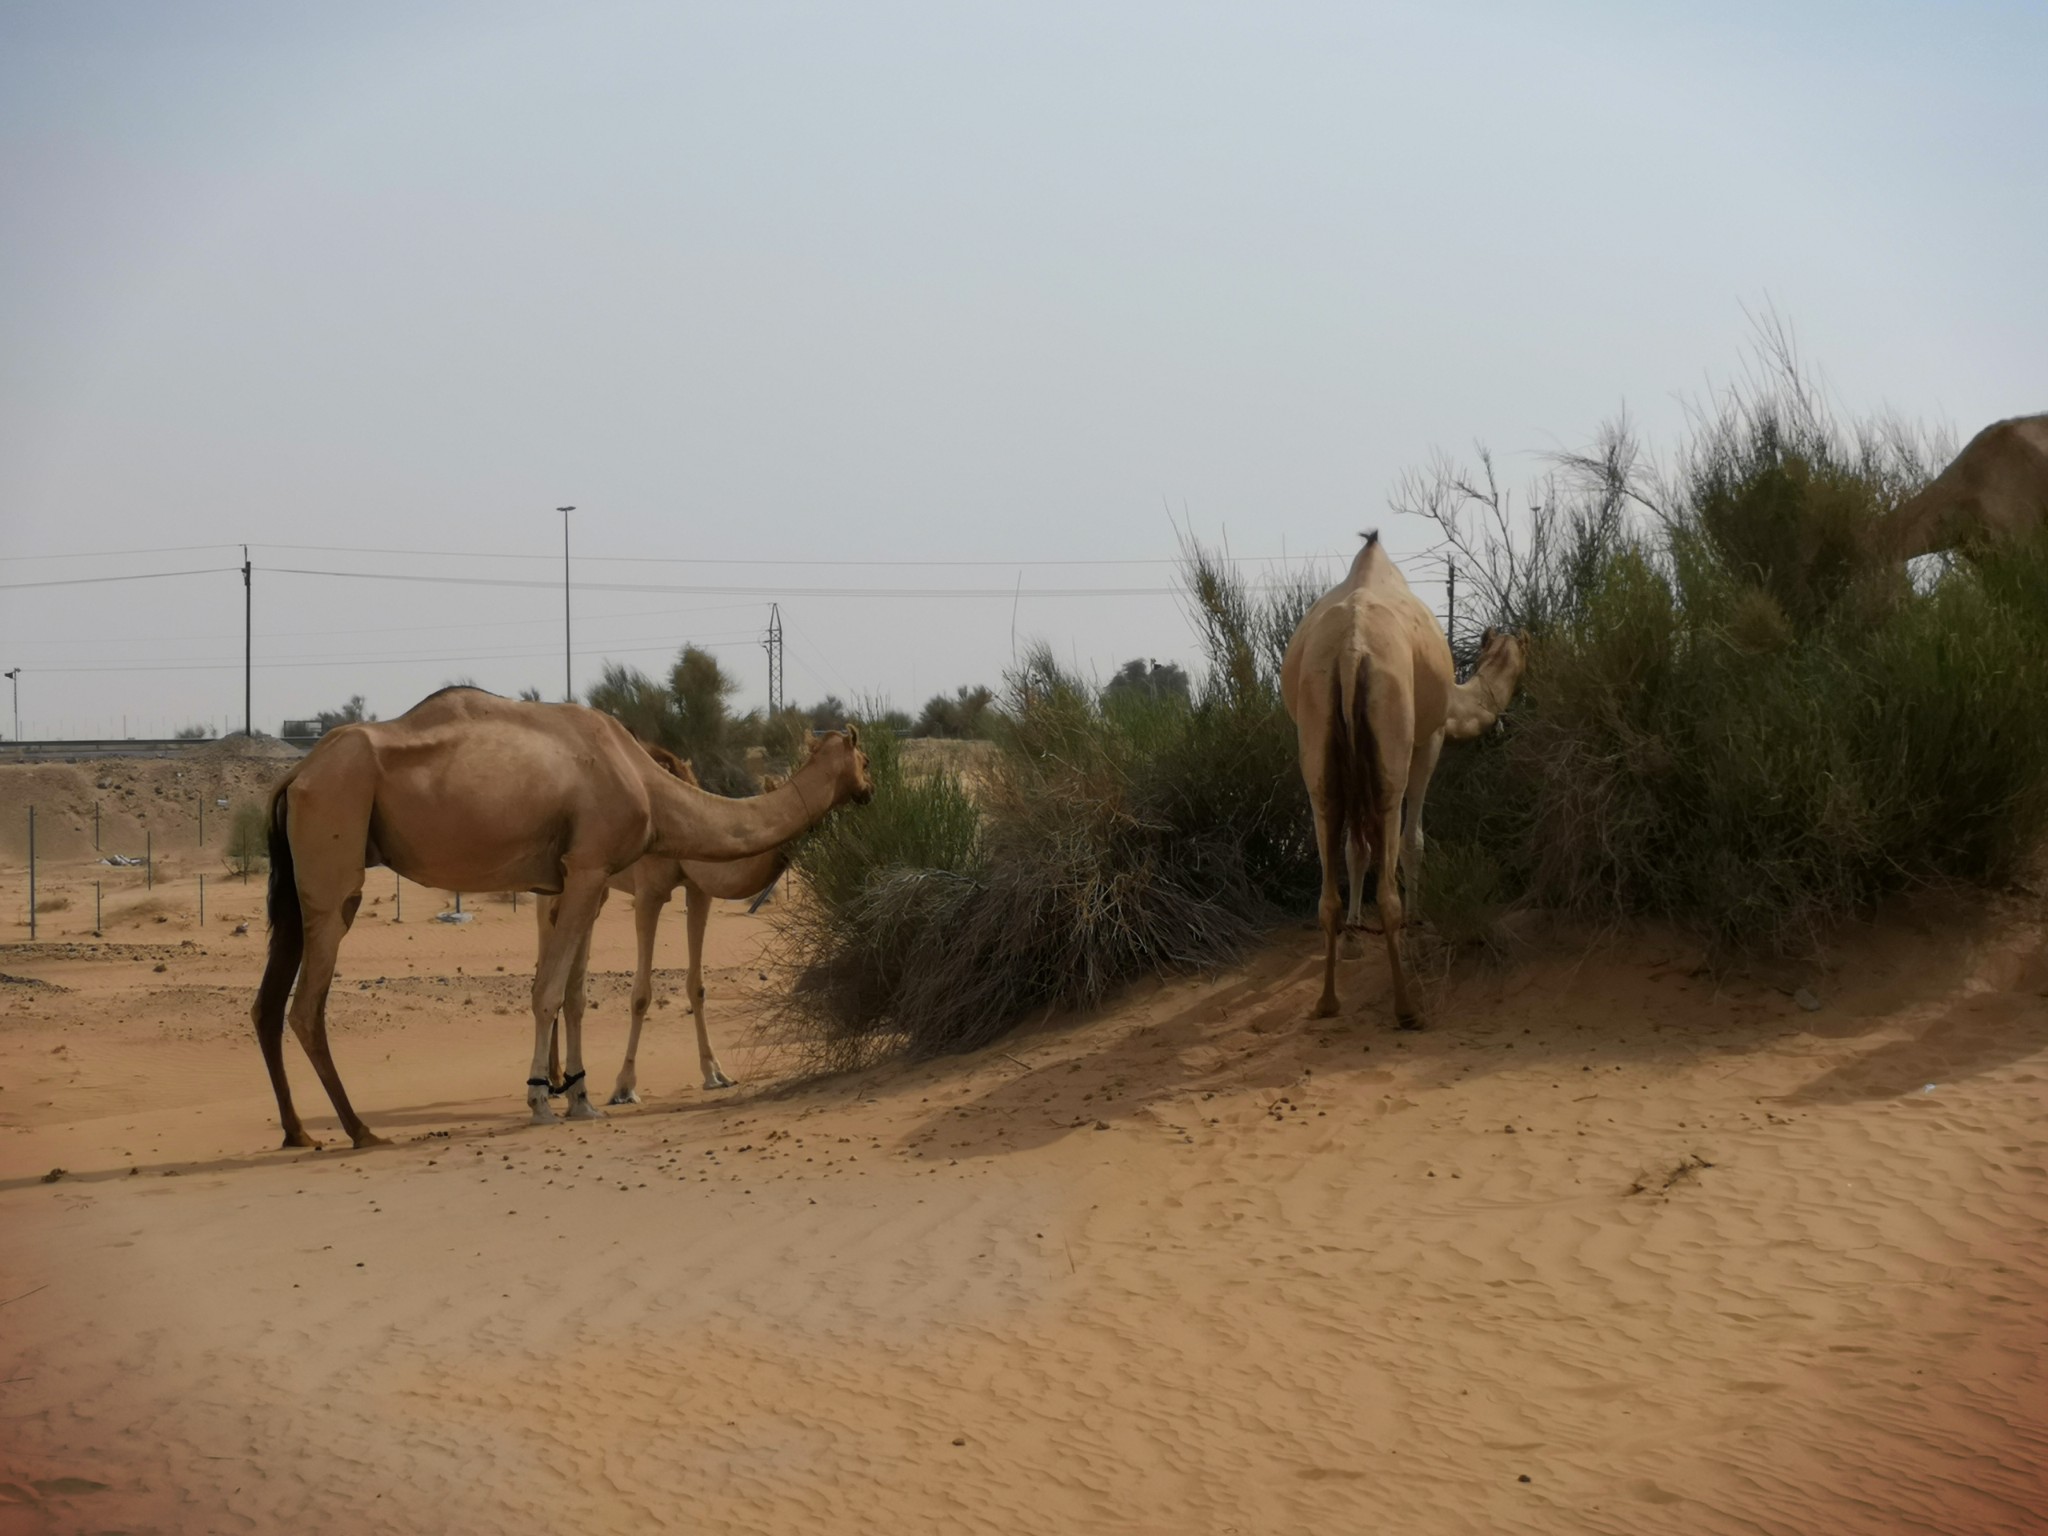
x=624, y=1096
x=1407, y=1021
x=1326, y=1009
x=583, y=1109
x=301, y=1139
x=716, y=1078
x=542, y=1115
x=1351, y=946
x=370, y=1139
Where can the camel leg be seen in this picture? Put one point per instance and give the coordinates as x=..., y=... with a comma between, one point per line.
x=1421, y=768
x=698, y=912
x=1330, y=911
x=1358, y=863
x=1392, y=918
x=574, y=996
x=574, y=912
x=270, y=1035
x=308, y=1014
x=647, y=909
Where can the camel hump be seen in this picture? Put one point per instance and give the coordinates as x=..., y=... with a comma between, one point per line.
x=1374, y=568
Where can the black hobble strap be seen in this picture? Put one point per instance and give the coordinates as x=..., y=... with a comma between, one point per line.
x=567, y=1083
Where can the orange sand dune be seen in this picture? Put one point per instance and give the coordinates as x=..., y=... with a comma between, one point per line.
x=1613, y=1248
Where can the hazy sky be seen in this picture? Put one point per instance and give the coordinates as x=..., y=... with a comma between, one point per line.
x=852, y=284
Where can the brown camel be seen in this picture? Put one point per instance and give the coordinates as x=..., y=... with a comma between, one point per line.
x=470, y=792
x=1995, y=491
x=1372, y=691
x=651, y=881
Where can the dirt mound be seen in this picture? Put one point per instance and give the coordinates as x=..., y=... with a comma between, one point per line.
x=144, y=802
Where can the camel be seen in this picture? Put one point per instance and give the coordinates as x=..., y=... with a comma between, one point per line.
x=1369, y=683
x=467, y=791
x=651, y=881
x=1994, y=491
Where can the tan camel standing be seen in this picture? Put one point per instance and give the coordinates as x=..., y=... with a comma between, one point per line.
x=1994, y=491
x=467, y=791
x=651, y=881
x=1373, y=693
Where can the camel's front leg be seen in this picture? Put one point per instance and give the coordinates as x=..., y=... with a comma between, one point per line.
x=697, y=913
x=574, y=912
x=647, y=909
x=574, y=997
x=1420, y=769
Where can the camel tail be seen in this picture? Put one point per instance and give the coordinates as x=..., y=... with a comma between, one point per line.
x=287, y=922
x=1351, y=774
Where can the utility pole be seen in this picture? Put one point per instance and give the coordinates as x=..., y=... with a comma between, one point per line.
x=1451, y=589
x=248, y=646
x=568, y=654
x=14, y=677
x=773, y=646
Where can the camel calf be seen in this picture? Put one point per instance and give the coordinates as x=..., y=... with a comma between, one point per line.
x=1369, y=683
x=651, y=882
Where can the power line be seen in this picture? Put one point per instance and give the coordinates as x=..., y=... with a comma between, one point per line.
x=726, y=591
x=471, y=554
x=110, y=554
x=664, y=612
x=87, y=581
x=395, y=658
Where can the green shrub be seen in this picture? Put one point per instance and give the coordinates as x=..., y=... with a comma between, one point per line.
x=1121, y=833
x=1735, y=717
x=248, y=846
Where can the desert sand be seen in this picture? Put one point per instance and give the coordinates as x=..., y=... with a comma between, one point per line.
x=1618, y=1245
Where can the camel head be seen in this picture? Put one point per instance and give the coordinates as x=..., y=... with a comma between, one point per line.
x=1502, y=659
x=839, y=752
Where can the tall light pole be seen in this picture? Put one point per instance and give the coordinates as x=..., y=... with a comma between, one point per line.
x=14, y=677
x=568, y=654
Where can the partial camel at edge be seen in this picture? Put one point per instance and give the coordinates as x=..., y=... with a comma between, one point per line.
x=651, y=881
x=1995, y=491
x=1371, y=687
x=467, y=791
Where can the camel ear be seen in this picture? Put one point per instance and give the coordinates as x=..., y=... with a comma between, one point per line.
x=852, y=734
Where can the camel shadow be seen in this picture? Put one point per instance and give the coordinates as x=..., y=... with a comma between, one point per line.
x=1644, y=1002
x=1979, y=1033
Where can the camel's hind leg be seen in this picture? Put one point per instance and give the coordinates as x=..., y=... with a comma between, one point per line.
x=698, y=912
x=1358, y=864
x=324, y=932
x=1392, y=916
x=1330, y=910
x=647, y=909
x=563, y=953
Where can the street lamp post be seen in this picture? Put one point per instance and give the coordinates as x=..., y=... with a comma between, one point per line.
x=568, y=656
x=14, y=677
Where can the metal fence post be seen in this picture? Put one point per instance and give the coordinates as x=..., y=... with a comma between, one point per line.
x=31, y=872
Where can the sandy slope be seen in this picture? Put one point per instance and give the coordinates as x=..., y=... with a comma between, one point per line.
x=1686, y=1256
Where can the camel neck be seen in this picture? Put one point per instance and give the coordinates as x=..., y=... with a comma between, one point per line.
x=1475, y=705
x=691, y=823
